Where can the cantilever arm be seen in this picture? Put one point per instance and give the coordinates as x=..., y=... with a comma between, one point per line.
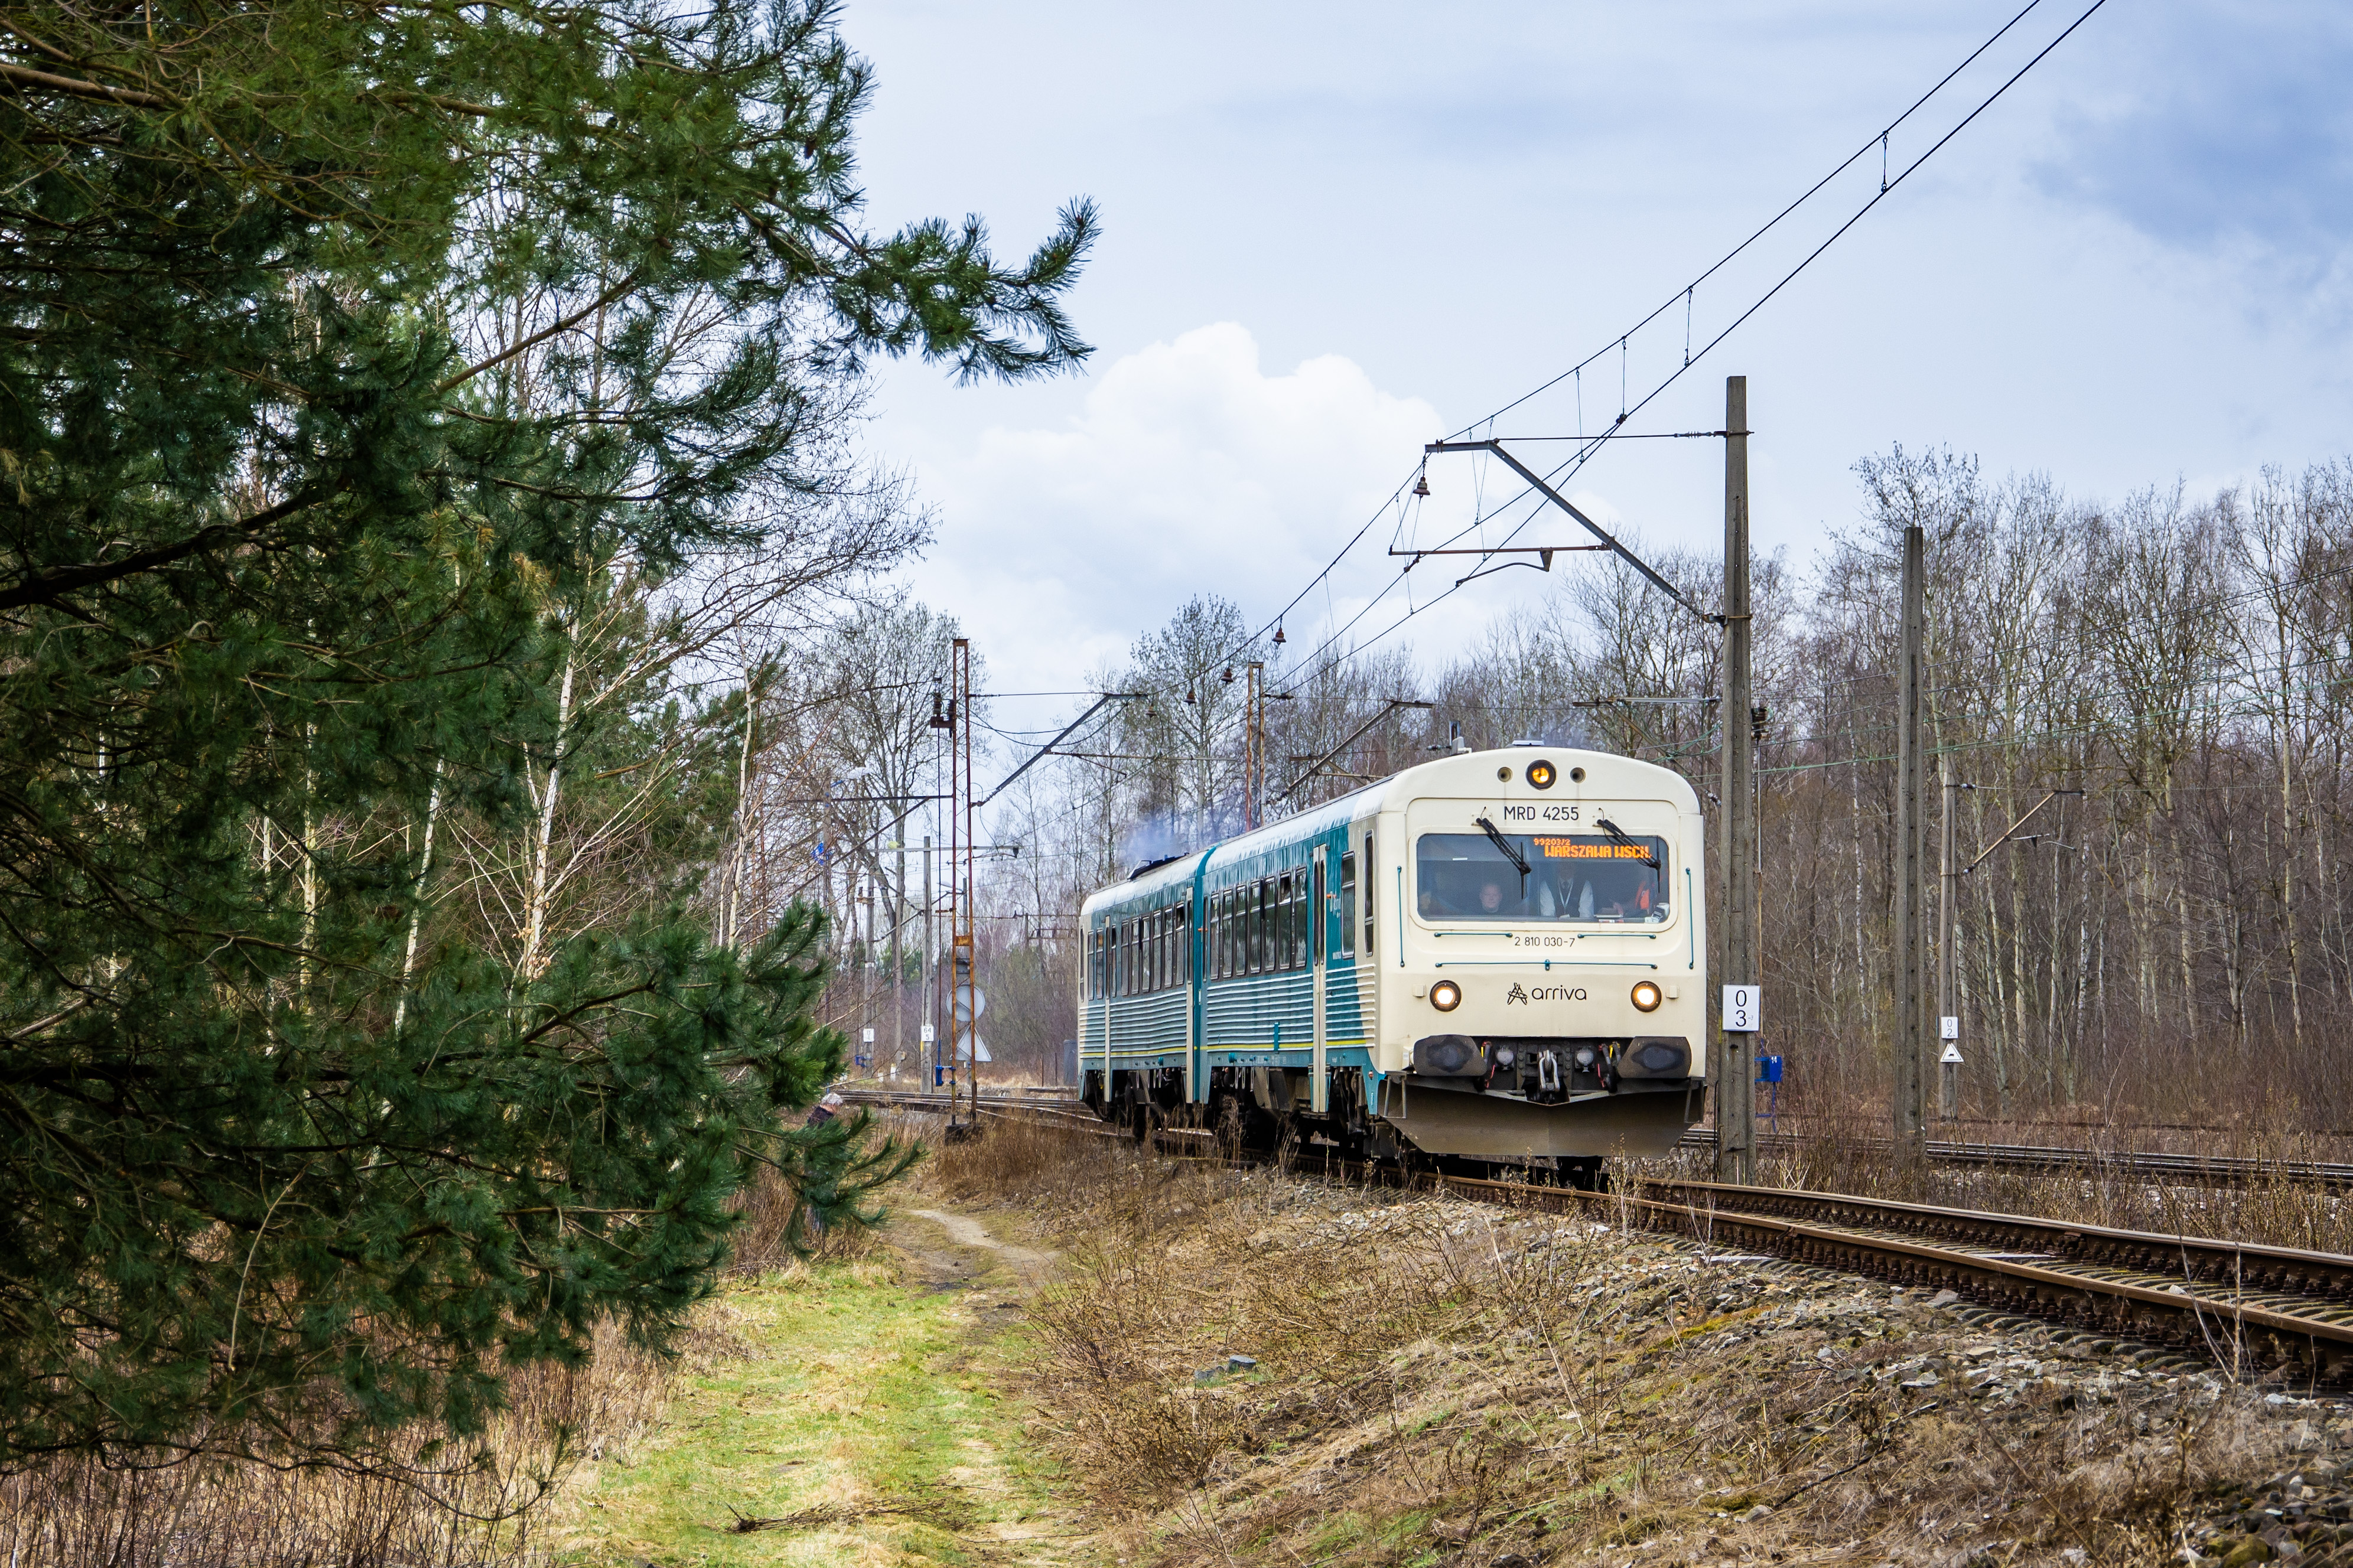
x=1536, y=482
x=1393, y=704
x=1047, y=749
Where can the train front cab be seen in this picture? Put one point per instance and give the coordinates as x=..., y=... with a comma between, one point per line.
x=1548, y=999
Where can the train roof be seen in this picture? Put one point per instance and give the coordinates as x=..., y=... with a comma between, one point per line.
x=1465, y=774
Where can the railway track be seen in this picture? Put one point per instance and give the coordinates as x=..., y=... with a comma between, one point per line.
x=2145, y=1165
x=2174, y=1170
x=2268, y=1308
x=2275, y=1309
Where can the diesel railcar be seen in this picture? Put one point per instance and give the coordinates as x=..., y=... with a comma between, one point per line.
x=1498, y=957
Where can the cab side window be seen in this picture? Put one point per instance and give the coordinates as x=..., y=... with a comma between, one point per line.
x=1348, y=904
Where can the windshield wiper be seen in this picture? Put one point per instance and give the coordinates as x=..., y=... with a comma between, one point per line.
x=1621, y=834
x=1510, y=854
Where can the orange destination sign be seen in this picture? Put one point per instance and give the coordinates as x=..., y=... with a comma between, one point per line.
x=1598, y=850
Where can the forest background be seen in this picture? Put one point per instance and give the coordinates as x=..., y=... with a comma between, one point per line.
x=2161, y=681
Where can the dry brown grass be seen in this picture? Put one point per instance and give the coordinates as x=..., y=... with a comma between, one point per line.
x=416, y=1503
x=490, y=1502
x=1438, y=1383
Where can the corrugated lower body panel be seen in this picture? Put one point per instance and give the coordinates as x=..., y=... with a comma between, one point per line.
x=1345, y=987
x=1248, y=1011
x=1489, y=1127
x=1149, y=1025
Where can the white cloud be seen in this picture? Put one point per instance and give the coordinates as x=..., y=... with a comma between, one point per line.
x=1188, y=469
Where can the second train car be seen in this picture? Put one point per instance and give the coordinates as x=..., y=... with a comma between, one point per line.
x=1498, y=957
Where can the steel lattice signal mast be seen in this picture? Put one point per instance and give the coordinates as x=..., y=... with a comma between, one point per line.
x=963, y=1017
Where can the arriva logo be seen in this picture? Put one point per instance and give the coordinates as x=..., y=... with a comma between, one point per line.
x=1544, y=994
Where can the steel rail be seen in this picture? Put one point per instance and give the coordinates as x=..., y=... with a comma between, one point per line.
x=2187, y=1170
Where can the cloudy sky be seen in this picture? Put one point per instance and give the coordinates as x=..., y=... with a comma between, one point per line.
x=1332, y=232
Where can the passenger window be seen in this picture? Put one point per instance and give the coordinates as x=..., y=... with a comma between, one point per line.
x=1372, y=894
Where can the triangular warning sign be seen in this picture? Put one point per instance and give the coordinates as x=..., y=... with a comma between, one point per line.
x=1952, y=1056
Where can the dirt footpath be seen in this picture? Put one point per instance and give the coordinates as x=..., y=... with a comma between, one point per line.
x=849, y=1411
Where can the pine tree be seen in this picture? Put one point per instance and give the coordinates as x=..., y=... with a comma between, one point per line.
x=342, y=343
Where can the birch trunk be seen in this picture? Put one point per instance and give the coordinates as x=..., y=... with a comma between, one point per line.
x=533, y=964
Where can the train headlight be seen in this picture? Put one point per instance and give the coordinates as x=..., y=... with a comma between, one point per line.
x=1540, y=775
x=1446, y=996
x=1647, y=997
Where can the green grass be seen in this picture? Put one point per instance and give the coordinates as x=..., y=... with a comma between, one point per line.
x=846, y=1392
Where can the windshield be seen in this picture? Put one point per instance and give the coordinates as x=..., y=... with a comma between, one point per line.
x=1583, y=877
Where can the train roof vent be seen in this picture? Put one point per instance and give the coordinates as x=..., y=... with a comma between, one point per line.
x=1153, y=865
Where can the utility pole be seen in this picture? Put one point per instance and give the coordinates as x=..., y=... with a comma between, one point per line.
x=898, y=968
x=1736, y=1082
x=1911, y=852
x=931, y=954
x=1948, y=995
